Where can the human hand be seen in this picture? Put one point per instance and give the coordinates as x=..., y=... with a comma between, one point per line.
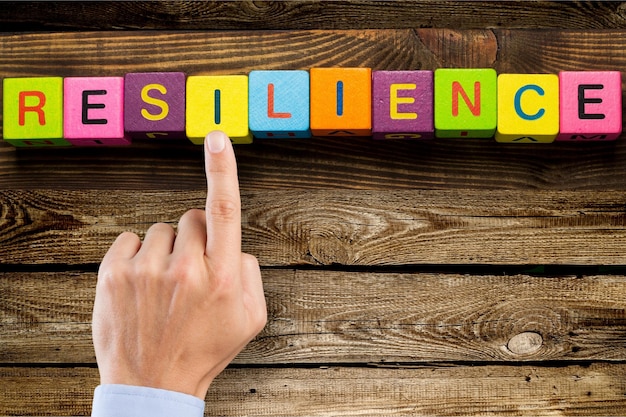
x=174, y=311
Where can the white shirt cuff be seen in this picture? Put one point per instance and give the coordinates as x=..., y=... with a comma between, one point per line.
x=131, y=401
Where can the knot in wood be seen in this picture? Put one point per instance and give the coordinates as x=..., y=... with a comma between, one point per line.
x=328, y=251
x=525, y=343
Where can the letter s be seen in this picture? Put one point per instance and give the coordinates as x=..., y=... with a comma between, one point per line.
x=161, y=104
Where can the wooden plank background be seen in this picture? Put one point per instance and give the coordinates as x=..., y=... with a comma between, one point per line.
x=445, y=277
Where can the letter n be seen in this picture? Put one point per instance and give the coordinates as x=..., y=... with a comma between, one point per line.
x=457, y=89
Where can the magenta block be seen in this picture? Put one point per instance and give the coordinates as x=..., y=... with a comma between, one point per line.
x=93, y=111
x=402, y=105
x=590, y=105
x=154, y=105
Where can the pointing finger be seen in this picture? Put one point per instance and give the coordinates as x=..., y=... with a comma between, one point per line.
x=223, y=204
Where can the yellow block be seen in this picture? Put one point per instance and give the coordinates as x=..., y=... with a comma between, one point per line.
x=528, y=108
x=217, y=102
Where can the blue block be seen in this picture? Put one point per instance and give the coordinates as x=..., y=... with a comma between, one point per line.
x=279, y=104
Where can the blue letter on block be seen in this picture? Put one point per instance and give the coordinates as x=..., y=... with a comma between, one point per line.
x=279, y=104
x=518, y=101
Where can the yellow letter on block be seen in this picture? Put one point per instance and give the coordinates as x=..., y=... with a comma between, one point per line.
x=217, y=102
x=528, y=108
x=157, y=102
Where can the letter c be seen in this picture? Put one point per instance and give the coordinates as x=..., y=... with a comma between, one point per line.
x=518, y=104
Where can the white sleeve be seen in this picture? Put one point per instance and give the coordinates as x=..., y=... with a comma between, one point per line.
x=131, y=401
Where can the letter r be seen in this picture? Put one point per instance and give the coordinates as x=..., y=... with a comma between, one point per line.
x=38, y=108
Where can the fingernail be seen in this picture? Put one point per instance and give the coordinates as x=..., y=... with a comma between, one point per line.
x=216, y=141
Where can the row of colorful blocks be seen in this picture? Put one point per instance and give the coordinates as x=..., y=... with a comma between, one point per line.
x=91, y=111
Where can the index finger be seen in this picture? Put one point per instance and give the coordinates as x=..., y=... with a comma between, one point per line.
x=223, y=203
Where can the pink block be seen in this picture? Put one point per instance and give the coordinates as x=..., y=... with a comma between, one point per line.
x=590, y=105
x=402, y=105
x=93, y=111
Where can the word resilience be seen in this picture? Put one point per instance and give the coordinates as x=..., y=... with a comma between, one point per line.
x=445, y=103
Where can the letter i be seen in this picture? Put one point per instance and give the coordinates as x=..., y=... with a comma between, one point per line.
x=217, y=107
x=339, y=98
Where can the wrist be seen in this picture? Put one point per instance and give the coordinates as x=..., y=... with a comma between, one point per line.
x=179, y=384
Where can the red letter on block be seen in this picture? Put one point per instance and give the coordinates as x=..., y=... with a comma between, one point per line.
x=457, y=89
x=270, y=105
x=23, y=108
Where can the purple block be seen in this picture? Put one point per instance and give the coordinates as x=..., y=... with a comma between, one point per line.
x=402, y=105
x=154, y=105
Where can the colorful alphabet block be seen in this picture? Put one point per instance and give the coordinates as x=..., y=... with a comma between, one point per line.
x=402, y=105
x=590, y=105
x=279, y=104
x=217, y=102
x=465, y=103
x=33, y=111
x=341, y=101
x=94, y=111
x=154, y=105
x=528, y=108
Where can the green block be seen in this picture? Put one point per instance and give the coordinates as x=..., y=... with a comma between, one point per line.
x=33, y=111
x=465, y=103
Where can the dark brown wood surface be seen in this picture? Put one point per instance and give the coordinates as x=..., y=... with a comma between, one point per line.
x=311, y=14
x=444, y=277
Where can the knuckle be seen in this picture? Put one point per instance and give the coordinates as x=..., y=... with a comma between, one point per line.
x=146, y=268
x=128, y=236
x=192, y=214
x=161, y=228
x=191, y=219
x=222, y=279
x=185, y=270
x=224, y=209
x=260, y=320
x=249, y=261
x=221, y=167
x=114, y=275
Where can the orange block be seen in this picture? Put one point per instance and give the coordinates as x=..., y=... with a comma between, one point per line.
x=341, y=101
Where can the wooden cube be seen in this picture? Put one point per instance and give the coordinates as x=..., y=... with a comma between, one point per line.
x=465, y=103
x=154, y=105
x=341, y=101
x=402, y=105
x=279, y=104
x=528, y=108
x=217, y=102
x=94, y=111
x=33, y=111
x=590, y=105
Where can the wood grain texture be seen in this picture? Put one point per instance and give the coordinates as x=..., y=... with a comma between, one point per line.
x=367, y=228
x=523, y=390
x=355, y=164
x=310, y=14
x=326, y=317
x=234, y=52
x=212, y=52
